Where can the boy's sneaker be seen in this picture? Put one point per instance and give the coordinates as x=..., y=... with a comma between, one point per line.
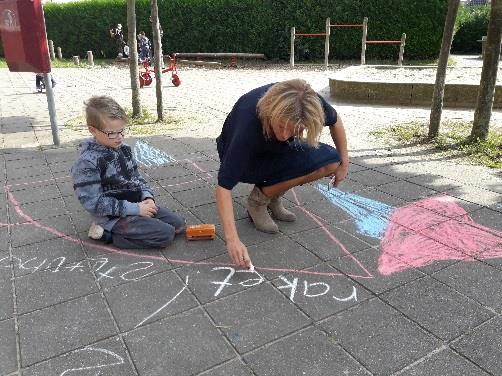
x=95, y=231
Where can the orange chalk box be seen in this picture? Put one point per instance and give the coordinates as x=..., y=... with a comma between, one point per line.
x=201, y=232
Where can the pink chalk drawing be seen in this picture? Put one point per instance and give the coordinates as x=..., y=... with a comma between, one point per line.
x=434, y=229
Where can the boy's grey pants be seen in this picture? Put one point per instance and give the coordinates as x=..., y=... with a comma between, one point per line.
x=144, y=232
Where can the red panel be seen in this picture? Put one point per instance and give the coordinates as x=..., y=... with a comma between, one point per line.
x=22, y=26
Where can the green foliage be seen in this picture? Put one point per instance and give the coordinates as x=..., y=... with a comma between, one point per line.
x=454, y=138
x=255, y=26
x=471, y=24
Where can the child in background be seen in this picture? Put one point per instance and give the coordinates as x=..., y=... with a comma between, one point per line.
x=109, y=186
x=39, y=81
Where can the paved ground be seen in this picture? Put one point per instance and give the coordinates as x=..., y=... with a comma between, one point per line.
x=398, y=273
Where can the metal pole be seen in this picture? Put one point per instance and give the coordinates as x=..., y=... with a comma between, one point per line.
x=52, y=108
x=363, y=46
x=292, y=48
x=326, y=43
x=401, y=49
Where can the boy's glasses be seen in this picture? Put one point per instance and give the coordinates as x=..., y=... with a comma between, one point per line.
x=112, y=135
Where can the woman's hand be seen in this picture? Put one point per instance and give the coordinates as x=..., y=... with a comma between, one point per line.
x=340, y=174
x=238, y=253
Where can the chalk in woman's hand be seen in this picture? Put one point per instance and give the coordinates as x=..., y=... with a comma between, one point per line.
x=251, y=267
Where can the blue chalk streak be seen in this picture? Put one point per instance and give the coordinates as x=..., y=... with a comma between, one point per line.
x=149, y=156
x=371, y=216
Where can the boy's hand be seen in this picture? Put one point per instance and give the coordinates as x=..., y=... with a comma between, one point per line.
x=147, y=208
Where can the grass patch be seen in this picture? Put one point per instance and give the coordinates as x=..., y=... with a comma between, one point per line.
x=454, y=139
x=144, y=125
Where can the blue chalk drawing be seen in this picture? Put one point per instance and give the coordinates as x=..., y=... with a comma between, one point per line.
x=149, y=156
x=371, y=217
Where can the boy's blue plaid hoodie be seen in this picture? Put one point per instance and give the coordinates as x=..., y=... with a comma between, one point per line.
x=107, y=182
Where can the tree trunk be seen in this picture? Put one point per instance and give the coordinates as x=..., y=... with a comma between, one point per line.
x=157, y=46
x=486, y=91
x=437, y=98
x=133, y=57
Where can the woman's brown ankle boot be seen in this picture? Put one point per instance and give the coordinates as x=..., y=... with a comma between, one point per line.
x=279, y=211
x=257, y=209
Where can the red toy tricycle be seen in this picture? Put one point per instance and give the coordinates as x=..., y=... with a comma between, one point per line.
x=145, y=76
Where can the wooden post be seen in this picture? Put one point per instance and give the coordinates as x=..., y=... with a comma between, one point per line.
x=292, y=48
x=326, y=43
x=76, y=60
x=51, y=50
x=483, y=46
x=363, y=43
x=401, y=49
x=90, y=58
x=60, y=54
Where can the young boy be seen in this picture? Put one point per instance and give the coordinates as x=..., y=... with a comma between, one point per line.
x=109, y=186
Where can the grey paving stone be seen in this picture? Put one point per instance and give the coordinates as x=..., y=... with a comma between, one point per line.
x=488, y=218
x=209, y=213
x=216, y=278
x=5, y=265
x=372, y=177
x=320, y=241
x=304, y=221
x=6, y=297
x=437, y=308
x=43, y=289
x=281, y=253
x=350, y=227
x=255, y=317
x=26, y=173
x=35, y=193
x=195, y=197
x=465, y=278
x=112, y=269
x=444, y=363
x=363, y=267
x=168, y=171
x=4, y=238
x=321, y=291
x=483, y=346
x=476, y=195
x=64, y=327
x=182, y=183
x=52, y=228
x=42, y=209
x=310, y=352
x=368, y=332
x=248, y=233
x=106, y=358
x=437, y=182
x=382, y=197
x=149, y=299
x=196, y=250
x=65, y=186
x=8, y=353
x=46, y=255
x=232, y=368
x=184, y=345
x=407, y=191
x=326, y=212
x=166, y=201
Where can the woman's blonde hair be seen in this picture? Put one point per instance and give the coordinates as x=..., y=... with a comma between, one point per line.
x=293, y=101
x=99, y=108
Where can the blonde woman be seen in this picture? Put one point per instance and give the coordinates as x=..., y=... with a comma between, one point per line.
x=271, y=139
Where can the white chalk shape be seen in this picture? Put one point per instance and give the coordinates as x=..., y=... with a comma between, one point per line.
x=90, y=58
